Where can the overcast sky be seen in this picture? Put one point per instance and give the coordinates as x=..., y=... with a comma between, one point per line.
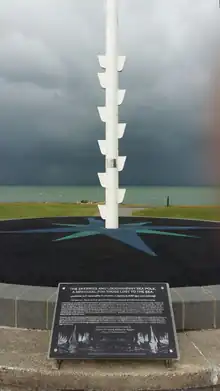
x=49, y=90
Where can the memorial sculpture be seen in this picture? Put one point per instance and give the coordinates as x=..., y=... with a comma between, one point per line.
x=112, y=63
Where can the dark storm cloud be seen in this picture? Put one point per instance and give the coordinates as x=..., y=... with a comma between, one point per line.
x=49, y=89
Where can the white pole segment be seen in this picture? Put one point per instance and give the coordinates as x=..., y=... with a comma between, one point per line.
x=109, y=114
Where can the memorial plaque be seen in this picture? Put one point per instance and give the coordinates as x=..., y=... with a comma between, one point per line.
x=113, y=320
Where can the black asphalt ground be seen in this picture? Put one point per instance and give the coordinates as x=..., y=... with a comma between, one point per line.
x=36, y=259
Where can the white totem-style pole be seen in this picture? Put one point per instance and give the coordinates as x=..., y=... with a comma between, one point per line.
x=112, y=63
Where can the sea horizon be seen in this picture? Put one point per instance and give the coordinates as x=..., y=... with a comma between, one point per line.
x=148, y=195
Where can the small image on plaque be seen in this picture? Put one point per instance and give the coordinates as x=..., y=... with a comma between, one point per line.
x=152, y=341
x=70, y=342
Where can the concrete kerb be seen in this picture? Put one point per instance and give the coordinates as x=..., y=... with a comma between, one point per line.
x=32, y=307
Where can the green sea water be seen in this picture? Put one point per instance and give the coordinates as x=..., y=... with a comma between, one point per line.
x=154, y=196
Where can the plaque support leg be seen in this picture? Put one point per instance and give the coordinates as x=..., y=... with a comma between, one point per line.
x=168, y=363
x=59, y=363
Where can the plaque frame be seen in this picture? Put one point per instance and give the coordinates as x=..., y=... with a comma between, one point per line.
x=167, y=360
